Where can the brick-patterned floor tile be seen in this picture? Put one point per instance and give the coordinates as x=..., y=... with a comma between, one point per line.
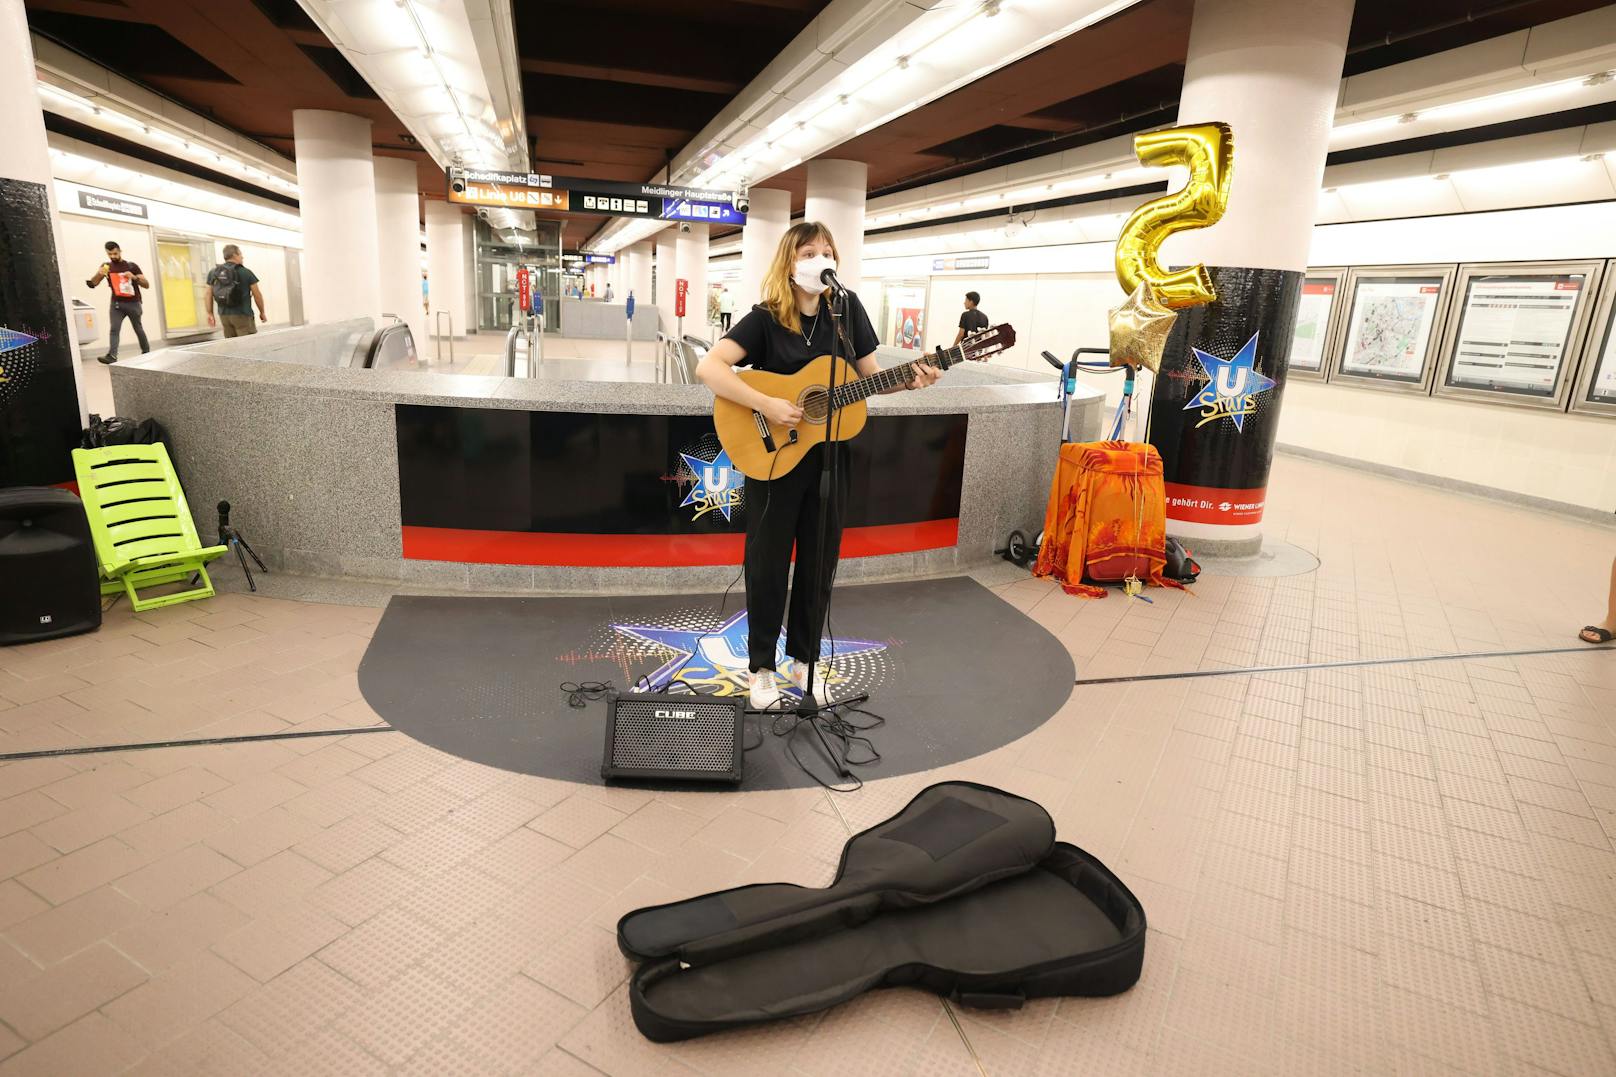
x=54, y=997
x=60, y=932
x=92, y=1044
x=292, y=1007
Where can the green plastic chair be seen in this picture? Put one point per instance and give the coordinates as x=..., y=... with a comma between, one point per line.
x=142, y=528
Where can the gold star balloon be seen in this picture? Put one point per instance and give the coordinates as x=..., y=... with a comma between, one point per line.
x=1139, y=330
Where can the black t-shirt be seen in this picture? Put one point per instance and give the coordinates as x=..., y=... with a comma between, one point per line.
x=772, y=347
x=972, y=320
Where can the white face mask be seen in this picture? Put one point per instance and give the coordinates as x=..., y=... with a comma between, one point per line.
x=808, y=270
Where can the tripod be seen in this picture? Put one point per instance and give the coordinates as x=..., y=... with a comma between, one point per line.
x=229, y=536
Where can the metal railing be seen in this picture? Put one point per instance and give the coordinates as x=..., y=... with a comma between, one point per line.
x=437, y=334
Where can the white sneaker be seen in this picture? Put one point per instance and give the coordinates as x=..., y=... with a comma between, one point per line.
x=797, y=673
x=765, y=693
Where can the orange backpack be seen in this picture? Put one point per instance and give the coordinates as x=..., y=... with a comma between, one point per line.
x=1107, y=517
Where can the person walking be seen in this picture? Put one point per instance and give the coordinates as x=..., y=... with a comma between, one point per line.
x=972, y=320
x=726, y=308
x=1604, y=631
x=233, y=288
x=609, y=296
x=124, y=280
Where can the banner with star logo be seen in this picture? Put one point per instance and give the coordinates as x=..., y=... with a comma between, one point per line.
x=40, y=422
x=1215, y=404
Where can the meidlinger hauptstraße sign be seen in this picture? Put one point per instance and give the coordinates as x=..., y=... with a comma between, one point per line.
x=533, y=190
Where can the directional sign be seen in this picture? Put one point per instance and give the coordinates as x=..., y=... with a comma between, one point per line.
x=656, y=201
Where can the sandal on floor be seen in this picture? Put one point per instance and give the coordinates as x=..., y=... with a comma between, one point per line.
x=1605, y=635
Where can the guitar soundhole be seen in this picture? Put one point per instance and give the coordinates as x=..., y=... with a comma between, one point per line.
x=815, y=404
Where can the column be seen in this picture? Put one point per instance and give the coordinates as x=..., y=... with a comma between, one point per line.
x=337, y=200
x=1271, y=69
x=836, y=200
x=639, y=276
x=42, y=411
x=766, y=222
x=398, y=244
x=691, y=262
x=667, y=268
x=447, y=282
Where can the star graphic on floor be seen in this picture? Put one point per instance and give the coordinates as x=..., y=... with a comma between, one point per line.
x=715, y=660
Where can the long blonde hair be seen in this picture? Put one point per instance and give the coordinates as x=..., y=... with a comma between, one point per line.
x=778, y=296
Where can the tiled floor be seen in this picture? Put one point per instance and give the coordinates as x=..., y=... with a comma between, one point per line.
x=1394, y=868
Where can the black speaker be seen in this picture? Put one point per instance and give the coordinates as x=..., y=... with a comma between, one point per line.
x=674, y=737
x=48, y=573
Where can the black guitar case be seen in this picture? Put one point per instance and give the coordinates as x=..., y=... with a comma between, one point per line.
x=965, y=893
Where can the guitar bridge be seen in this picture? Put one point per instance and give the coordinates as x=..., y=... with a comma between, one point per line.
x=763, y=430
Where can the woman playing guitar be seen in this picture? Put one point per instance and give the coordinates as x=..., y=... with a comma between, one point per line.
x=792, y=326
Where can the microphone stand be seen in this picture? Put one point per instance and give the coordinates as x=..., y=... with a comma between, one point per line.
x=808, y=707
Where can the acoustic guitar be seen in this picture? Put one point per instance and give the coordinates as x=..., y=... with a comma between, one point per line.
x=760, y=449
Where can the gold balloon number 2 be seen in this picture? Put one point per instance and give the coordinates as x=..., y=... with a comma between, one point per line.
x=1207, y=150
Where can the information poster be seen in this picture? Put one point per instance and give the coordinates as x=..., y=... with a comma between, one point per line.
x=1389, y=332
x=1514, y=331
x=1602, y=388
x=1312, y=324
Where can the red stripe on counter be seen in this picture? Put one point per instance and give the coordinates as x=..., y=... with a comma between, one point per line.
x=647, y=551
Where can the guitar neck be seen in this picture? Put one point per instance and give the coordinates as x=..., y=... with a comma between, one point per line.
x=892, y=377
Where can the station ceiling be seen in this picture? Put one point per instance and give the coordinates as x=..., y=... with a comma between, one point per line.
x=614, y=87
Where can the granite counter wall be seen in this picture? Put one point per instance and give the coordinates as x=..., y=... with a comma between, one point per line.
x=308, y=458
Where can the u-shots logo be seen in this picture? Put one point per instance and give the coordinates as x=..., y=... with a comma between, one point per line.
x=1232, y=386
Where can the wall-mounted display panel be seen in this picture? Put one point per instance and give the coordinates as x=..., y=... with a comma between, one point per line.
x=1596, y=382
x=1392, y=324
x=1516, y=330
x=1318, y=317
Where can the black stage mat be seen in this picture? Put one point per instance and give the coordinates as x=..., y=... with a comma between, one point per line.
x=955, y=671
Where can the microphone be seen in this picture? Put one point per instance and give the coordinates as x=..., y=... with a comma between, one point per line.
x=828, y=279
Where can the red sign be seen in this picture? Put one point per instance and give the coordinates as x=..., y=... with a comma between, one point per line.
x=1212, y=505
x=524, y=290
x=681, y=288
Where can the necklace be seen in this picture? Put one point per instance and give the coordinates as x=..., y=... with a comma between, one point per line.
x=807, y=337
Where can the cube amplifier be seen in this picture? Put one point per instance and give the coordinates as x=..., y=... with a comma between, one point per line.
x=673, y=738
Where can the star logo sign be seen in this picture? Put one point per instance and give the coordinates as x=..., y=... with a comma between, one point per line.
x=1232, y=386
x=718, y=485
x=715, y=660
x=10, y=341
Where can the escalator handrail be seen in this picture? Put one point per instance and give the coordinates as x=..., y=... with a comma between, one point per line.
x=373, y=346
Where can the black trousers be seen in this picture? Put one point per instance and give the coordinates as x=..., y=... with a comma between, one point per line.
x=723, y=320
x=782, y=514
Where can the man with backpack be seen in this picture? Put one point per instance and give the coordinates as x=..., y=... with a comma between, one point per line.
x=233, y=288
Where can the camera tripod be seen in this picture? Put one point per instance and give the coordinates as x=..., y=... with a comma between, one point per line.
x=229, y=536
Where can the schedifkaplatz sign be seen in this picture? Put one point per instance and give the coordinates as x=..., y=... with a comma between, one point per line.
x=109, y=204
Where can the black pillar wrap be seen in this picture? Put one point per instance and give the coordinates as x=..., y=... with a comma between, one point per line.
x=1216, y=471
x=39, y=405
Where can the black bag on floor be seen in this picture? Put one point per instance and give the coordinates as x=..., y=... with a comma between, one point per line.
x=1180, y=565
x=121, y=431
x=965, y=893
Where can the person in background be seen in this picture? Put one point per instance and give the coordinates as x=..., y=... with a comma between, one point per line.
x=1605, y=631
x=726, y=308
x=608, y=291
x=124, y=280
x=972, y=319
x=234, y=289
